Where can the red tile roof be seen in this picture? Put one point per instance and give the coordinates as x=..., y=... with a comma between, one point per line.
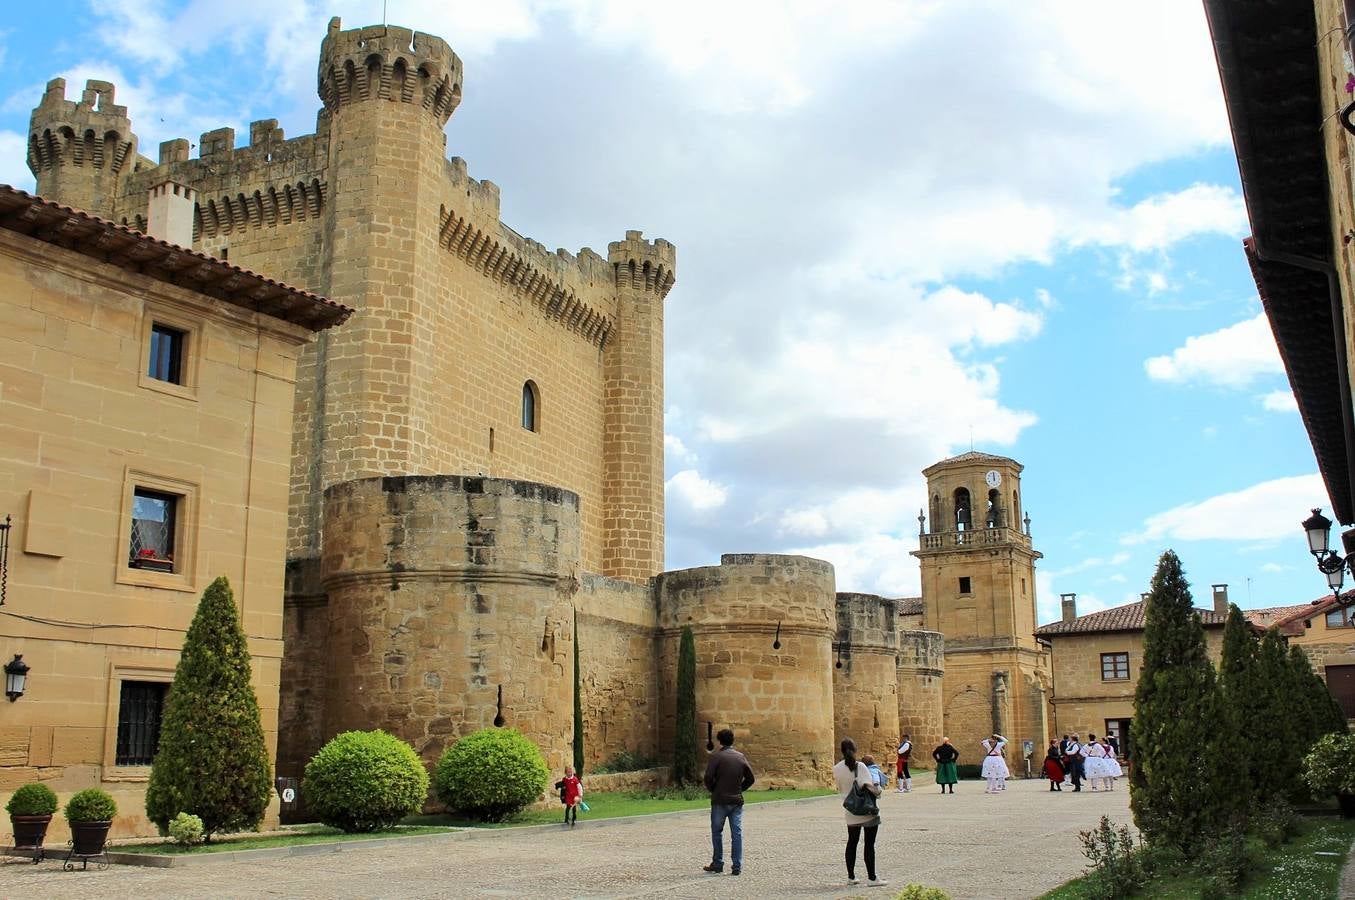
x=909, y=606
x=1129, y=617
x=134, y=251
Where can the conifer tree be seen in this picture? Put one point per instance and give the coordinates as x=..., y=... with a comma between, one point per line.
x=578, y=703
x=212, y=761
x=1323, y=710
x=1279, y=730
x=684, y=735
x=1179, y=792
x=1238, y=687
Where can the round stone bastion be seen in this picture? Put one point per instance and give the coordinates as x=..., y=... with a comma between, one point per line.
x=763, y=628
x=450, y=609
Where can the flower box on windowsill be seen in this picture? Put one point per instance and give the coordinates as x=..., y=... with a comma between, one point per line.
x=152, y=564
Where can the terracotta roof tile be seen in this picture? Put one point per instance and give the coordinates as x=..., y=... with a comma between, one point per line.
x=1129, y=617
x=910, y=606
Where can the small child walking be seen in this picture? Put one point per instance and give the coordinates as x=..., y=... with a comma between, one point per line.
x=571, y=795
x=875, y=771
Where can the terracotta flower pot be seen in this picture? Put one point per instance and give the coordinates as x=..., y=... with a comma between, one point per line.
x=89, y=837
x=29, y=831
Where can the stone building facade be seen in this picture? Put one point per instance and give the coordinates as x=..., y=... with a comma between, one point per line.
x=476, y=466
x=132, y=484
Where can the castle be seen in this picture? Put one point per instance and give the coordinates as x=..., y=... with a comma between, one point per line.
x=476, y=485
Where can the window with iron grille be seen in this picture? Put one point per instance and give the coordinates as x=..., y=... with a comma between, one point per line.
x=1114, y=666
x=154, y=515
x=166, y=357
x=139, y=710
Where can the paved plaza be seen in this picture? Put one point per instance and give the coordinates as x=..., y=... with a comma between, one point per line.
x=1017, y=844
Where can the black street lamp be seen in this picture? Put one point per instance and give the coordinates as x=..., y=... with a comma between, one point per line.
x=16, y=677
x=1317, y=527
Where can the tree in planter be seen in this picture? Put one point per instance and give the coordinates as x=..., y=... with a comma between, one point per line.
x=684, y=736
x=212, y=761
x=1180, y=793
x=1239, y=684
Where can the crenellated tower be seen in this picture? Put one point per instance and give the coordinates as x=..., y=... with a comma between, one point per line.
x=82, y=150
x=633, y=443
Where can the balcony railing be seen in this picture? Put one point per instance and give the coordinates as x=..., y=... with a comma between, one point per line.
x=978, y=537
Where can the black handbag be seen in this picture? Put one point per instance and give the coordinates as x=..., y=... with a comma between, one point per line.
x=860, y=801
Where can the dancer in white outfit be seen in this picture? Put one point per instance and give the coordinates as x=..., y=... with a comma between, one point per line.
x=1096, y=764
x=994, y=766
x=1113, y=769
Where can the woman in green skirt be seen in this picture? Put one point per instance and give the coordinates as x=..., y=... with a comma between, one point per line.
x=945, y=756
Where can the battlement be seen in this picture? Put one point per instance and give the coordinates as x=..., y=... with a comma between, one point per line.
x=92, y=132
x=644, y=265
x=381, y=62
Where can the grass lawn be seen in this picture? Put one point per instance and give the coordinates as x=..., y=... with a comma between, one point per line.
x=612, y=806
x=1306, y=868
x=300, y=834
x=601, y=806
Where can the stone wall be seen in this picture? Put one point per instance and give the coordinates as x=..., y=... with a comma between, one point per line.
x=777, y=699
x=454, y=613
x=865, y=675
x=921, y=665
x=616, y=782
x=618, y=673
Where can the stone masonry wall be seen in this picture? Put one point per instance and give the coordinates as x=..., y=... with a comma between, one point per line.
x=619, y=678
x=921, y=663
x=777, y=699
x=865, y=675
x=455, y=612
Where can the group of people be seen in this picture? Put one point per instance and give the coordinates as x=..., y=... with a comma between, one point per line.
x=1072, y=761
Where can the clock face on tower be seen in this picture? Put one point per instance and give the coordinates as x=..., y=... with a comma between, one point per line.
x=994, y=478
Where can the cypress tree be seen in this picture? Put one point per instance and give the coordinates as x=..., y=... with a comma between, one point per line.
x=1178, y=790
x=212, y=761
x=578, y=703
x=1280, y=722
x=1238, y=687
x=684, y=736
x=1325, y=713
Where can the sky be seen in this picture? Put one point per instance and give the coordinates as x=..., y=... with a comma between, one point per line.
x=904, y=229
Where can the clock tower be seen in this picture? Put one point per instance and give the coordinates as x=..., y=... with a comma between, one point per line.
x=978, y=590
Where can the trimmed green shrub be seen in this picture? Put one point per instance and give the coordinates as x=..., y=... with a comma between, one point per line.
x=491, y=774
x=921, y=892
x=212, y=758
x=625, y=761
x=684, y=734
x=364, y=781
x=32, y=800
x=1327, y=768
x=186, y=830
x=91, y=805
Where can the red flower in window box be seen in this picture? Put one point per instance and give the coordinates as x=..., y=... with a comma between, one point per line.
x=146, y=559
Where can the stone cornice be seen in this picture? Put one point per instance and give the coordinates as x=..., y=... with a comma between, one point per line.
x=442, y=575
x=501, y=263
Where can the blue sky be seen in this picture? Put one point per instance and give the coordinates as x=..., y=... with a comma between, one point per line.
x=901, y=227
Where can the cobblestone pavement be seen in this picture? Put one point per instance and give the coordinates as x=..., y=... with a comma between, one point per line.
x=1016, y=844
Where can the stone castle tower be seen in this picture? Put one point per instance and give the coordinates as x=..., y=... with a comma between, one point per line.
x=978, y=589
x=476, y=486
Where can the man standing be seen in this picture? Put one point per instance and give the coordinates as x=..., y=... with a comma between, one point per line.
x=728, y=775
x=905, y=777
x=1075, y=762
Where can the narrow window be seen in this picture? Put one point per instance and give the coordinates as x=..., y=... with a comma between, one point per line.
x=994, y=517
x=1023, y=587
x=154, y=520
x=964, y=584
x=166, y=357
x=139, y=709
x=1336, y=618
x=530, y=404
x=963, y=520
x=1114, y=666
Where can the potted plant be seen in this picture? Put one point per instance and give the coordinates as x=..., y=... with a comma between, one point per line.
x=1327, y=770
x=146, y=559
x=90, y=813
x=30, y=811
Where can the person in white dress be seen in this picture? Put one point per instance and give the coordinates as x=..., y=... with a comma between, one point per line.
x=1113, y=769
x=1097, y=771
x=994, y=766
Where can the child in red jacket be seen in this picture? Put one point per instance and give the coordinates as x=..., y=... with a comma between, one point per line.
x=571, y=794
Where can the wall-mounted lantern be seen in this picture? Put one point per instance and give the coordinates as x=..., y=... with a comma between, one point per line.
x=16, y=677
x=1317, y=527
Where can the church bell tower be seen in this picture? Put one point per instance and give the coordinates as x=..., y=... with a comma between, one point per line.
x=978, y=590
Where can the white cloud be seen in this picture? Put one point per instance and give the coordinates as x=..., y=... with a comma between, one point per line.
x=1232, y=357
x=1279, y=401
x=699, y=493
x=1166, y=219
x=1262, y=512
x=1275, y=568
x=13, y=165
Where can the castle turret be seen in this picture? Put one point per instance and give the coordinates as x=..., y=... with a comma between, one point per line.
x=81, y=150
x=865, y=674
x=633, y=441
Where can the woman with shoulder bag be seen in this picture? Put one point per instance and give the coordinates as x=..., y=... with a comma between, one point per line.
x=859, y=792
